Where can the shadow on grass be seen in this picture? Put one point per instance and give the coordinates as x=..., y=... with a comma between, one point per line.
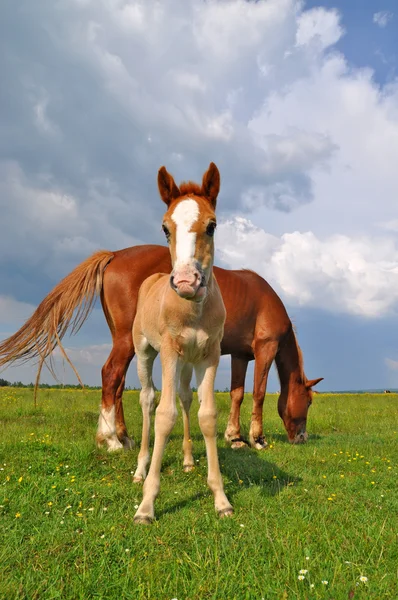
x=242, y=469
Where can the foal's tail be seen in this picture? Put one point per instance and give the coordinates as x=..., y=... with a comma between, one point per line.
x=67, y=305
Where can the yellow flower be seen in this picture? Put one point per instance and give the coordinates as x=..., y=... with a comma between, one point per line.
x=18, y=515
x=20, y=479
x=49, y=503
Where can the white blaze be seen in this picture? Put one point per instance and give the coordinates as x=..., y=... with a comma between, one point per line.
x=184, y=216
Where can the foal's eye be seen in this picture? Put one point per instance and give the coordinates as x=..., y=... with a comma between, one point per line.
x=166, y=233
x=210, y=229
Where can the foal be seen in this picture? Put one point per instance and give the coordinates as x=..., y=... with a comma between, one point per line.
x=181, y=316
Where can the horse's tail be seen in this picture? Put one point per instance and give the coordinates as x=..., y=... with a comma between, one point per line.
x=67, y=305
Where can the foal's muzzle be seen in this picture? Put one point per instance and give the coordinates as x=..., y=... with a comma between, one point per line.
x=189, y=282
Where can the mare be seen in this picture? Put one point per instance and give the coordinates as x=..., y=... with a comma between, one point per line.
x=257, y=328
x=181, y=317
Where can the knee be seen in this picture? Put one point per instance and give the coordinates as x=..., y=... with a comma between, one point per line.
x=208, y=421
x=165, y=420
x=147, y=399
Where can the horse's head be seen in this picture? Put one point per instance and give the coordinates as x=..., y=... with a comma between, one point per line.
x=189, y=224
x=293, y=409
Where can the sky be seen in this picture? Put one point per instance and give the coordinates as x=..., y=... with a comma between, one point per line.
x=296, y=103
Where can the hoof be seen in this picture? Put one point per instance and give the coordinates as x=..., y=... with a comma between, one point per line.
x=128, y=443
x=237, y=443
x=141, y=520
x=226, y=512
x=259, y=443
x=138, y=479
x=188, y=468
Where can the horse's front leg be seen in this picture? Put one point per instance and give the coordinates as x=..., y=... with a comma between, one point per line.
x=205, y=375
x=165, y=418
x=185, y=393
x=264, y=354
x=145, y=359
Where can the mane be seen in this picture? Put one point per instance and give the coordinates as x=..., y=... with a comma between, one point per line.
x=300, y=358
x=190, y=187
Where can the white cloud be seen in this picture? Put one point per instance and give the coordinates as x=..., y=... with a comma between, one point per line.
x=382, y=18
x=354, y=275
x=319, y=26
x=304, y=141
x=12, y=311
x=94, y=355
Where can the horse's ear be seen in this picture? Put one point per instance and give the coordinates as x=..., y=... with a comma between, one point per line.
x=167, y=188
x=311, y=382
x=211, y=184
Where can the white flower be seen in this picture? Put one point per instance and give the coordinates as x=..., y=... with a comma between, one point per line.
x=307, y=558
x=241, y=525
x=312, y=585
x=324, y=582
x=301, y=577
x=363, y=579
x=102, y=536
x=303, y=571
x=127, y=550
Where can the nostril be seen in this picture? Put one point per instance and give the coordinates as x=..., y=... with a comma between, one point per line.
x=173, y=285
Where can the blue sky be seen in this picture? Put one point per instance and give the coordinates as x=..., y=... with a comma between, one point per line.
x=297, y=105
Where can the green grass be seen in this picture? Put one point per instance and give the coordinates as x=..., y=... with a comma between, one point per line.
x=330, y=507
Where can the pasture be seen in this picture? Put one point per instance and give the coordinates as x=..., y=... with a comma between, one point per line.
x=312, y=521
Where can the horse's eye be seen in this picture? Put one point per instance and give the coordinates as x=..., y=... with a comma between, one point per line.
x=166, y=232
x=210, y=229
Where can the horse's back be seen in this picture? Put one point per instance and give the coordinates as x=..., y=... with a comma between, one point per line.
x=254, y=311
x=123, y=278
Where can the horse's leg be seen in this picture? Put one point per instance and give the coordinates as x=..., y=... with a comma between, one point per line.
x=238, y=375
x=145, y=359
x=205, y=375
x=185, y=393
x=264, y=354
x=111, y=424
x=165, y=418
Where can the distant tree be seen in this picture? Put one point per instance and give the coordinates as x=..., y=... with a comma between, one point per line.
x=4, y=383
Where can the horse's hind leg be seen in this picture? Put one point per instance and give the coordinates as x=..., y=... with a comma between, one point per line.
x=238, y=375
x=111, y=425
x=264, y=354
x=185, y=393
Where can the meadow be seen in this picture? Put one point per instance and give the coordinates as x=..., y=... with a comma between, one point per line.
x=312, y=521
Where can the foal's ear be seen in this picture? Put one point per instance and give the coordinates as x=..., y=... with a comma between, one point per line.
x=167, y=188
x=211, y=184
x=311, y=382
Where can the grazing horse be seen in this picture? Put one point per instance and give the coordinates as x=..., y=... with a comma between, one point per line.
x=181, y=317
x=257, y=328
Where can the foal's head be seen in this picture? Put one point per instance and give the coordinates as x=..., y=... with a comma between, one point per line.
x=189, y=226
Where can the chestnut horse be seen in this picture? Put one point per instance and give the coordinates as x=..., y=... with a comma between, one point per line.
x=181, y=317
x=257, y=327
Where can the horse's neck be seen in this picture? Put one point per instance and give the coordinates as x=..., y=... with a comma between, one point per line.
x=288, y=362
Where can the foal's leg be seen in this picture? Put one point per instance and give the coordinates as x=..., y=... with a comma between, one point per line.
x=264, y=354
x=238, y=375
x=111, y=425
x=185, y=393
x=145, y=359
x=205, y=375
x=165, y=418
